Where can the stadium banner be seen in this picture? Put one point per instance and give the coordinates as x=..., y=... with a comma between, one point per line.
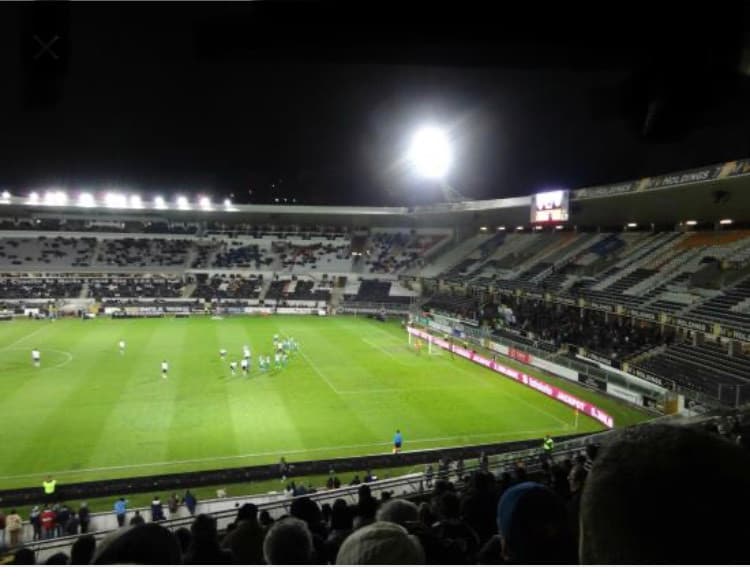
x=625, y=394
x=643, y=315
x=531, y=382
x=687, y=177
x=651, y=377
x=601, y=359
x=521, y=356
x=735, y=334
x=736, y=168
x=604, y=191
x=602, y=307
x=692, y=325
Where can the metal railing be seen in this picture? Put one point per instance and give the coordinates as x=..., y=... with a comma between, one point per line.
x=411, y=486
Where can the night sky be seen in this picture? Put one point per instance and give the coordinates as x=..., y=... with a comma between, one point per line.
x=316, y=102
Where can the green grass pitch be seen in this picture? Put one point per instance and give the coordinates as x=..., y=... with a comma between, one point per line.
x=91, y=413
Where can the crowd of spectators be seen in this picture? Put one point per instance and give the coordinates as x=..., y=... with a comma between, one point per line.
x=616, y=337
x=390, y=253
x=634, y=499
x=39, y=288
x=134, y=287
x=227, y=287
x=144, y=252
x=73, y=252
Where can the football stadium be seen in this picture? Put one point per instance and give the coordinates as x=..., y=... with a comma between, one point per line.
x=536, y=377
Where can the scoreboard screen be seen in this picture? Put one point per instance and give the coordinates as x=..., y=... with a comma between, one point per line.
x=549, y=207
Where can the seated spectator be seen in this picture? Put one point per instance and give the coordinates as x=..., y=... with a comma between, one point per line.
x=657, y=494
x=533, y=527
x=398, y=511
x=459, y=543
x=24, y=556
x=288, y=542
x=83, y=550
x=381, y=543
x=246, y=539
x=340, y=528
x=265, y=520
x=149, y=544
x=204, y=546
x=57, y=559
x=137, y=519
x=184, y=536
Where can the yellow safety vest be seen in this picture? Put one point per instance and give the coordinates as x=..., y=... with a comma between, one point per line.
x=49, y=487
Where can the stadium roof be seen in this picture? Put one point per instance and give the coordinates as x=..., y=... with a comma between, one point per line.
x=706, y=194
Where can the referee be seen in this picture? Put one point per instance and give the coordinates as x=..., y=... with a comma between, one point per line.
x=397, y=441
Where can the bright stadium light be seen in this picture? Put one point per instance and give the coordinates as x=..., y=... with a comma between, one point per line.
x=183, y=203
x=5, y=197
x=136, y=201
x=559, y=227
x=537, y=227
x=726, y=221
x=483, y=228
x=115, y=200
x=632, y=224
x=55, y=198
x=519, y=228
x=33, y=198
x=86, y=200
x=160, y=203
x=205, y=203
x=500, y=228
x=430, y=152
x=691, y=222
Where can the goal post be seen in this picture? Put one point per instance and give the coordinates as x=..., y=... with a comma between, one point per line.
x=418, y=344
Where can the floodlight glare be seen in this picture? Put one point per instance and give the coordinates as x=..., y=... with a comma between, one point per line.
x=55, y=198
x=86, y=199
x=136, y=201
x=182, y=203
x=6, y=195
x=205, y=203
x=33, y=198
x=115, y=200
x=691, y=222
x=430, y=152
x=159, y=203
x=726, y=221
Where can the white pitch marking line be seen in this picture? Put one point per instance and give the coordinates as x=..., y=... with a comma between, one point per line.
x=23, y=338
x=390, y=354
x=285, y=452
x=43, y=366
x=320, y=374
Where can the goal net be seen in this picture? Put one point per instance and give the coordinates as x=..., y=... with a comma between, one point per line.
x=420, y=346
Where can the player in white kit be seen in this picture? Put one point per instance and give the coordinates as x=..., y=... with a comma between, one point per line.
x=245, y=363
x=233, y=367
x=122, y=347
x=164, y=369
x=36, y=357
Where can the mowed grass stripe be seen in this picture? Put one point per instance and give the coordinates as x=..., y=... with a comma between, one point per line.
x=201, y=419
